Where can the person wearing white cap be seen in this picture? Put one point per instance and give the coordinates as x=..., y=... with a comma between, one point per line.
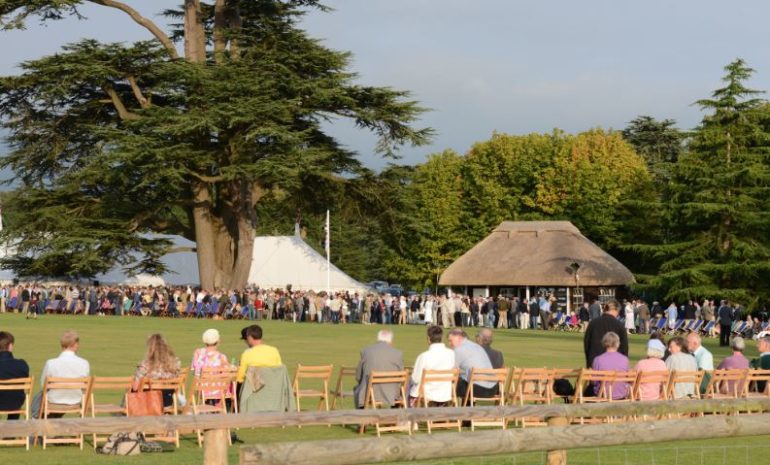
x=653, y=362
x=209, y=357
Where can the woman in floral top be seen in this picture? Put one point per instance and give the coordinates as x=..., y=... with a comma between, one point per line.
x=159, y=363
x=209, y=358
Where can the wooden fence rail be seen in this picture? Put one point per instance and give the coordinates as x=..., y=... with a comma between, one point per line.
x=373, y=450
x=109, y=425
x=488, y=443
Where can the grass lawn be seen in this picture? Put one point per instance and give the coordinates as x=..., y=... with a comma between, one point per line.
x=115, y=345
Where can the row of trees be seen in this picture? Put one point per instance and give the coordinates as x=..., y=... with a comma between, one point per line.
x=213, y=130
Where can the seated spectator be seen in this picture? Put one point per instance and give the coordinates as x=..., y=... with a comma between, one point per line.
x=66, y=365
x=653, y=362
x=11, y=368
x=209, y=356
x=703, y=358
x=381, y=356
x=484, y=339
x=736, y=361
x=681, y=360
x=159, y=363
x=469, y=355
x=258, y=354
x=437, y=357
x=611, y=360
x=763, y=361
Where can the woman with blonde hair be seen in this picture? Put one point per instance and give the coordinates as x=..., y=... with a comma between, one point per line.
x=159, y=363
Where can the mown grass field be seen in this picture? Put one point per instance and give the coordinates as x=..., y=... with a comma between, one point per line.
x=115, y=345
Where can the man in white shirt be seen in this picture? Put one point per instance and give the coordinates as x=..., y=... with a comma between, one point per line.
x=437, y=357
x=66, y=365
x=703, y=358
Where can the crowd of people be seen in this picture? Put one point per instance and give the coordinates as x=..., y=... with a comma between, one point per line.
x=539, y=312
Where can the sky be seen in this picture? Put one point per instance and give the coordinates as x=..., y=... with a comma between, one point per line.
x=510, y=66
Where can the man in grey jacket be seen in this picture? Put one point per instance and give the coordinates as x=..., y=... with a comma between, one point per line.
x=381, y=356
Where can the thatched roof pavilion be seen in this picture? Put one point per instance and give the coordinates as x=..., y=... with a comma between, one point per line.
x=536, y=253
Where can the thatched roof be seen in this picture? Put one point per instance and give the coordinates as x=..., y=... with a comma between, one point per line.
x=535, y=253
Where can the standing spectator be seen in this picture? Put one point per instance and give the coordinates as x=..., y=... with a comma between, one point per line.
x=584, y=316
x=654, y=362
x=11, y=368
x=25, y=298
x=680, y=360
x=534, y=313
x=66, y=365
x=484, y=339
x=523, y=312
x=644, y=316
x=381, y=356
x=595, y=310
x=545, y=312
x=725, y=314
x=502, y=309
x=437, y=357
x=597, y=328
x=672, y=314
x=629, y=318
x=611, y=360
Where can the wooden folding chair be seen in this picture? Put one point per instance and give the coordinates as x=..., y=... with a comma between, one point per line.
x=434, y=377
x=587, y=384
x=230, y=395
x=629, y=378
x=377, y=378
x=661, y=378
x=25, y=386
x=318, y=373
x=755, y=379
x=51, y=410
x=176, y=386
x=491, y=375
x=510, y=384
x=685, y=377
x=339, y=391
x=118, y=388
x=726, y=384
x=570, y=374
x=210, y=393
x=533, y=385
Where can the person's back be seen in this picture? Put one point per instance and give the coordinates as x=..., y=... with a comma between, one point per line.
x=597, y=328
x=612, y=361
x=437, y=357
x=380, y=356
x=682, y=361
x=67, y=365
x=258, y=354
x=11, y=368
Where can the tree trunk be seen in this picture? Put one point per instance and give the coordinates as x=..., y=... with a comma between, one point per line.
x=224, y=233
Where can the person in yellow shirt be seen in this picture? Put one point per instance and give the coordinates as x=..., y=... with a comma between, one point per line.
x=258, y=354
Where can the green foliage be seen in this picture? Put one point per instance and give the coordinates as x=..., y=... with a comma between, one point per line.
x=720, y=232
x=112, y=141
x=451, y=202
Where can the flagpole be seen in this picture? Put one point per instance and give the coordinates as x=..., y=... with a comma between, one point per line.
x=328, y=256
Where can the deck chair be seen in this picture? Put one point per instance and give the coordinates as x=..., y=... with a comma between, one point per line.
x=398, y=378
x=706, y=330
x=339, y=392
x=210, y=393
x=318, y=373
x=535, y=386
x=490, y=375
x=685, y=377
x=118, y=388
x=448, y=377
x=51, y=410
x=176, y=386
x=25, y=386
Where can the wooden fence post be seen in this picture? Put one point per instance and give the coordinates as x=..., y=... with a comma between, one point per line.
x=215, y=445
x=557, y=457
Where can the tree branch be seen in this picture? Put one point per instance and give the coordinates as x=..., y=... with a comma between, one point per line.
x=207, y=179
x=142, y=21
x=123, y=113
x=143, y=101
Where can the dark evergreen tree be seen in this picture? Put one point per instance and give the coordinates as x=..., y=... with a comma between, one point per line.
x=659, y=142
x=720, y=192
x=112, y=142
